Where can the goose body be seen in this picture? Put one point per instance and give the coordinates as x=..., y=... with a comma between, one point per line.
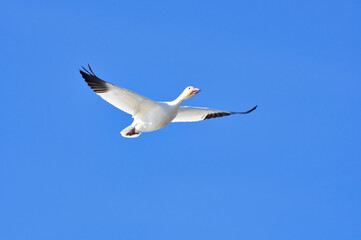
x=156, y=117
x=150, y=115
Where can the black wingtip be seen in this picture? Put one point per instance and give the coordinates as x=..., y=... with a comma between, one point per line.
x=251, y=110
x=86, y=70
x=254, y=108
x=91, y=70
x=95, y=83
x=216, y=115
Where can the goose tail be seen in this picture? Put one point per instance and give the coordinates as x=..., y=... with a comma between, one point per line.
x=130, y=132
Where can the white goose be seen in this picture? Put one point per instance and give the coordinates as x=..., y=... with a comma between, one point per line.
x=150, y=115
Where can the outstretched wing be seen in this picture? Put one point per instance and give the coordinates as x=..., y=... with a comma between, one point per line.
x=124, y=99
x=194, y=114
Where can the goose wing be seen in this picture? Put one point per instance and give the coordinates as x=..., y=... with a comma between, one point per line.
x=124, y=99
x=194, y=114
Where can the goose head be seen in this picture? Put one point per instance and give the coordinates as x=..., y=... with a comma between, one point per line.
x=190, y=92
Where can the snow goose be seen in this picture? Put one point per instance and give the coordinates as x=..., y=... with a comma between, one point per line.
x=150, y=115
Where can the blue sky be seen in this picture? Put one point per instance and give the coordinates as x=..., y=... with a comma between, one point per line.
x=289, y=170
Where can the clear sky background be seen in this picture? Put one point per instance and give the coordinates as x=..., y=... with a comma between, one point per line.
x=289, y=170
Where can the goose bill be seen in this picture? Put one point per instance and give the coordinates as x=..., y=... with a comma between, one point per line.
x=195, y=91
